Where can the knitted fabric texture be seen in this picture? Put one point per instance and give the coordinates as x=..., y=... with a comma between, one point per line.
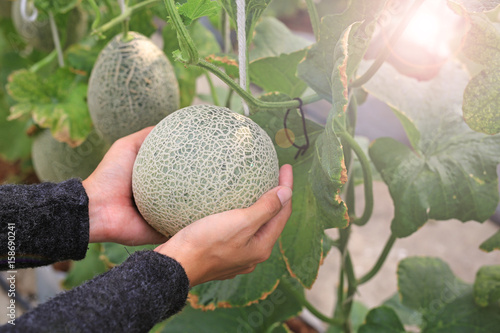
x=50, y=222
x=132, y=297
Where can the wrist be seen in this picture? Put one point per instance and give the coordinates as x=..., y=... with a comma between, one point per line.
x=96, y=230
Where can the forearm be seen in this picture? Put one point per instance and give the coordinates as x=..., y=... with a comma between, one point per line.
x=132, y=297
x=41, y=224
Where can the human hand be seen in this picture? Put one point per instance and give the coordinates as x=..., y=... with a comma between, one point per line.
x=112, y=211
x=223, y=245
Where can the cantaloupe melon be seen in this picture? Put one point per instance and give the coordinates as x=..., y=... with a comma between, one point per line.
x=56, y=161
x=132, y=86
x=199, y=161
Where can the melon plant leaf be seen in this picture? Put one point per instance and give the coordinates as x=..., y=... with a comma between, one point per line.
x=492, y=243
x=482, y=102
x=273, y=38
x=227, y=62
x=14, y=143
x=57, y=102
x=327, y=177
x=301, y=240
x=427, y=284
x=260, y=317
x=463, y=315
x=451, y=170
x=487, y=285
x=194, y=9
x=382, y=319
x=481, y=105
x=278, y=74
x=253, y=11
x=85, y=269
x=337, y=32
x=243, y=290
x=407, y=316
x=475, y=6
x=358, y=314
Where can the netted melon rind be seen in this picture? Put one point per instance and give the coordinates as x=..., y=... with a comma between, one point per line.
x=132, y=86
x=199, y=161
x=55, y=161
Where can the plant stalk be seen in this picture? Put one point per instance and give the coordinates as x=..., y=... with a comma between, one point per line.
x=302, y=300
x=213, y=92
x=97, y=12
x=57, y=41
x=383, y=256
x=189, y=52
x=367, y=176
x=122, y=17
x=313, y=15
x=252, y=101
x=384, y=54
x=44, y=62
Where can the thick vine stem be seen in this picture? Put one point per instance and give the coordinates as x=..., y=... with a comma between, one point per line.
x=185, y=41
x=313, y=15
x=302, y=300
x=43, y=62
x=57, y=41
x=367, y=176
x=97, y=12
x=384, y=54
x=383, y=256
x=252, y=101
x=122, y=17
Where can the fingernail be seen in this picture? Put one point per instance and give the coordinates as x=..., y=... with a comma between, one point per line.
x=284, y=194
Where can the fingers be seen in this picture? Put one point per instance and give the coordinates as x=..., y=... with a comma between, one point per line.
x=136, y=139
x=286, y=176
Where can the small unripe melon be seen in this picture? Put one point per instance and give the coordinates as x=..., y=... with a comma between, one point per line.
x=199, y=161
x=55, y=161
x=132, y=86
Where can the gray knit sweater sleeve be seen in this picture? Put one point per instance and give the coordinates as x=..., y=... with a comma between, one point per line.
x=51, y=224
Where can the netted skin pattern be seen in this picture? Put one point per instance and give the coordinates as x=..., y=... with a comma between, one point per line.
x=55, y=161
x=199, y=161
x=132, y=86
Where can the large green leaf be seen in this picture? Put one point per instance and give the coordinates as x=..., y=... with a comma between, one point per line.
x=463, y=315
x=492, y=243
x=338, y=32
x=301, y=240
x=451, y=171
x=407, y=316
x=278, y=74
x=194, y=9
x=272, y=38
x=482, y=102
x=481, y=106
x=253, y=11
x=327, y=177
x=14, y=143
x=487, y=285
x=259, y=318
x=478, y=5
x=382, y=320
x=57, y=102
x=428, y=284
x=243, y=290
x=447, y=304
